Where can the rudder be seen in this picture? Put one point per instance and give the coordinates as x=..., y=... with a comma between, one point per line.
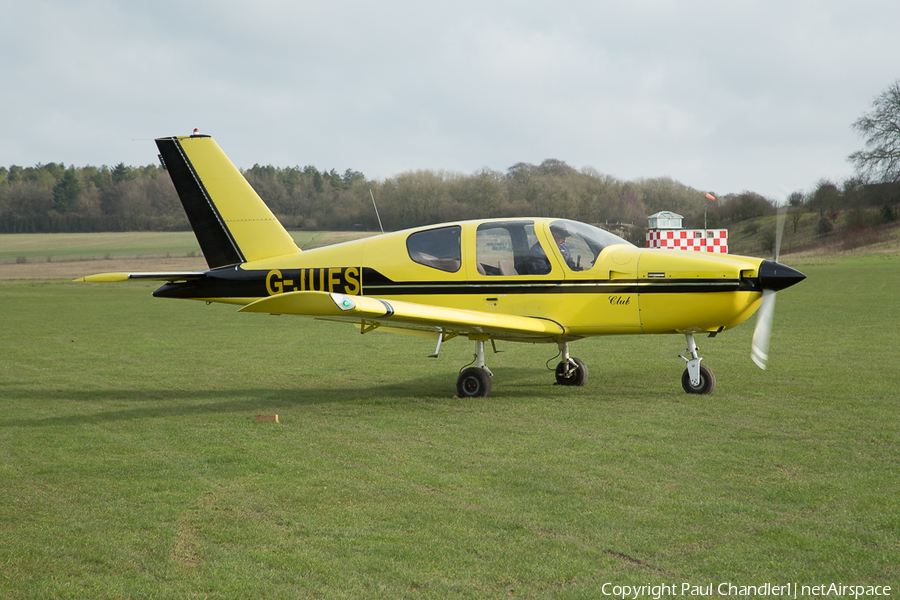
x=232, y=223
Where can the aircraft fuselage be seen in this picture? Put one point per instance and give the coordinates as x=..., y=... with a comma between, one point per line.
x=621, y=290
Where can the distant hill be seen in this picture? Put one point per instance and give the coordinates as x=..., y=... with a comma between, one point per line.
x=754, y=237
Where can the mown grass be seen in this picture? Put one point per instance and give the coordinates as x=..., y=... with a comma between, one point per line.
x=132, y=466
x=58, y=247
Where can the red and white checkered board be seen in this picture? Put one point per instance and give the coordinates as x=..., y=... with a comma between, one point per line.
x=687, y=239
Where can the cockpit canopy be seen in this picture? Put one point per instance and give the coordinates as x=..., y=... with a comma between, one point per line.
x=512, y=247
x=506, y=248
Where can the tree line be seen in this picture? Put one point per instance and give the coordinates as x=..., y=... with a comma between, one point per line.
x=55, y=198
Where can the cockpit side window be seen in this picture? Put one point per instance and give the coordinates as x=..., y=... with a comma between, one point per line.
x=510, y=248
x=436, y=248
x=580, y=244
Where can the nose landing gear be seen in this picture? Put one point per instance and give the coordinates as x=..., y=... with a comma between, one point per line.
x=697, y=378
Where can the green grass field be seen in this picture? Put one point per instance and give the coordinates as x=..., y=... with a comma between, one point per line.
x=132, y=466
x=60, y=247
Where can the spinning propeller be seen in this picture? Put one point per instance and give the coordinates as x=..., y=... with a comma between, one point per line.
x=773, y=276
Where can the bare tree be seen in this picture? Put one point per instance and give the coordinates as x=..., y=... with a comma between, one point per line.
x=881, y=129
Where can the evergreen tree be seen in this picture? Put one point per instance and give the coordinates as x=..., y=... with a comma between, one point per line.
x=66, y=192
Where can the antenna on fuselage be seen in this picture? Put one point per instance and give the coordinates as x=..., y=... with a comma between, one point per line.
x=376, y=211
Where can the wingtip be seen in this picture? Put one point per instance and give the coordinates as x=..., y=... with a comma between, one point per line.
x=104, y=277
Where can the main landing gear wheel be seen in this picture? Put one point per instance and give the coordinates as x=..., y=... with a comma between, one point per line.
x=707, y=381
x=473, y=382
x=571, y=372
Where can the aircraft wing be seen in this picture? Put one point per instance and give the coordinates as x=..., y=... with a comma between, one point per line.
x=396, y=314
x=113, y=277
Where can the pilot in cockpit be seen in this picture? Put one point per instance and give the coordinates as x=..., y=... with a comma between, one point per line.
x=538, y=264
x=560, y=235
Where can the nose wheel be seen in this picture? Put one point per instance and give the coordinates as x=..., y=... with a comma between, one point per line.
x=697, y=378
x=706, y=385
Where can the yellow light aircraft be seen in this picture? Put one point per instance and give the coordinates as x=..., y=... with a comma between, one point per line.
x=534, y=280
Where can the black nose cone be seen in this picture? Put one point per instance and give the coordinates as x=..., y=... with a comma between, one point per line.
x=776, y=276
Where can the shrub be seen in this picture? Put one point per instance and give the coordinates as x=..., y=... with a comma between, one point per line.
x=856, y=218
x=767, y=240
x=824, y=226
x=887, y=214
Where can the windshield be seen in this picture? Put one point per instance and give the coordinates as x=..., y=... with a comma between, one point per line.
x=580, y=243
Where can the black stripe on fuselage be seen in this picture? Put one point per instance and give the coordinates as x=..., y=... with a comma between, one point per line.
x=233, y=282
x=557, y=287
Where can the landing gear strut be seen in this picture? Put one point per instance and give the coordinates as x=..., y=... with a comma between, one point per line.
x=570, y=370
x=475, y=382
x=697, y=378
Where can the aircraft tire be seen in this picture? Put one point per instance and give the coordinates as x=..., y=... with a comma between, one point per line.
x=577, y=377
x=707, y=381
x=473, y=382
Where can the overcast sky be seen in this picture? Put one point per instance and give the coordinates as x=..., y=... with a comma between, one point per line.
x=722, y=96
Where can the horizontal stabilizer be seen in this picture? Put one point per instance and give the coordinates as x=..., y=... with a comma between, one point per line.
x=393, y=313
x=113, y=277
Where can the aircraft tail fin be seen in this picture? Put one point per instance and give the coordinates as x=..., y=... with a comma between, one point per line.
x=232, y=223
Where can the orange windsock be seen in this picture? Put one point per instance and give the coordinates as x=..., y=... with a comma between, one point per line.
x=710, y=196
